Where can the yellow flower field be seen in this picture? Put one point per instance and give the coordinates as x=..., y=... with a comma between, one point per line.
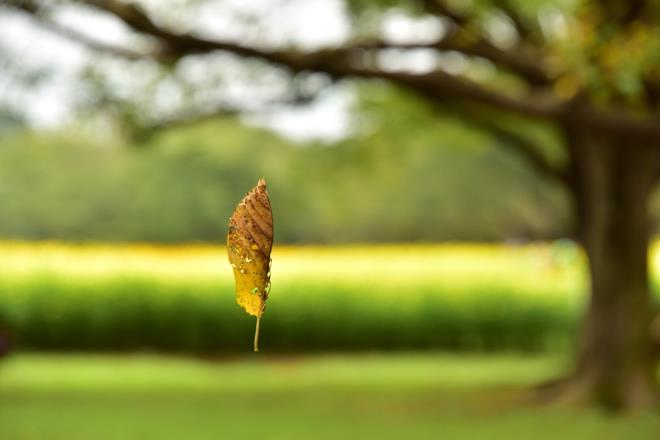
x=60, y=296
x=533, y=265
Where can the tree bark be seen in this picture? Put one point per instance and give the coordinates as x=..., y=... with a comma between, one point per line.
x=615, y=363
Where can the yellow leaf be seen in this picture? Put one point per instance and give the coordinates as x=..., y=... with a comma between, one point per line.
x=249, y=242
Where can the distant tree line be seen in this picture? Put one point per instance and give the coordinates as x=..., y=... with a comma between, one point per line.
x=180, y=186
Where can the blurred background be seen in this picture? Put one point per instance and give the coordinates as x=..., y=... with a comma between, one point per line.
x=425, y=274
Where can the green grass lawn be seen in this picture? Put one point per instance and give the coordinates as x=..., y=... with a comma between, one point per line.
x=323, y=397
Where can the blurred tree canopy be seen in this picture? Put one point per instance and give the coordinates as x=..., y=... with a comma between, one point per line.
x=417, y=176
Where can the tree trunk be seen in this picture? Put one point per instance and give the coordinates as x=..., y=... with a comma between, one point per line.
x=615, y=365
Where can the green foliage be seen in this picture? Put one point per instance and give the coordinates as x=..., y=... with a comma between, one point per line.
x=591, y=49
x=49, y=312
x=414, y=175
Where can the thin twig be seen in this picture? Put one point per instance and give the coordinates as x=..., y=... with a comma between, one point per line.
x=256, y=335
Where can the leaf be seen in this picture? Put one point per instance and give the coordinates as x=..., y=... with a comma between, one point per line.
x=249, y=242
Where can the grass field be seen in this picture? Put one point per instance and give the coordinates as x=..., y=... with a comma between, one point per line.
x=482, y=303
x=409, y=396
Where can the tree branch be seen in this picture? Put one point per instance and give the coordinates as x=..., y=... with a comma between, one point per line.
x=349, y=61
x=146, y=131
x=191, y=117
x=522, y=26
x=629, y=127
x=337, y=62
x=622, y=12
x=439, y=86
x=520, y=63
x=91, y=43
x=40, y=16
x=440, y=8
x=521, y=145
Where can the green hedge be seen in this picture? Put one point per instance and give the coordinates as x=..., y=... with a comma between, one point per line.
x=49, y=312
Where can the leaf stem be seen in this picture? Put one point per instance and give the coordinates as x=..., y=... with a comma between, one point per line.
x=256, y=334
